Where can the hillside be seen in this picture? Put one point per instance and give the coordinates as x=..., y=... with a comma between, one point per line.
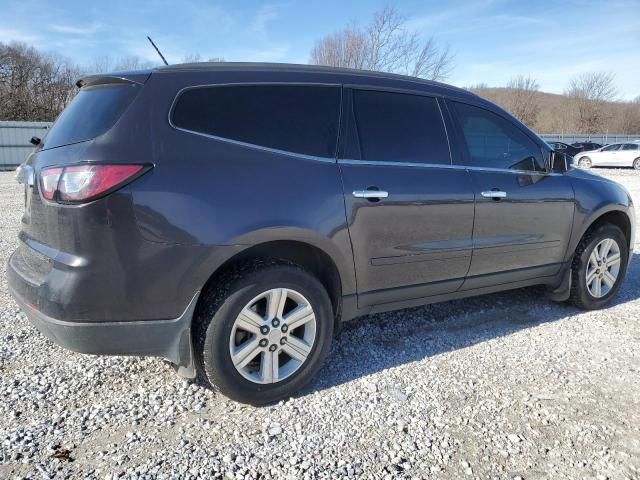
x=554, y=113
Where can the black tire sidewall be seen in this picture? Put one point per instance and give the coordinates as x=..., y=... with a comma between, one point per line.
x=581, y=293
x=215, y=354
x=584, y=162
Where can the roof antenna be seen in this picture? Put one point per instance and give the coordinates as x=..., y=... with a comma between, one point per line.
x=154, y=46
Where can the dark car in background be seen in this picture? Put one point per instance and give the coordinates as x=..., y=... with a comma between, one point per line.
x=228, y=217
x=564, y=148
x=586, y=146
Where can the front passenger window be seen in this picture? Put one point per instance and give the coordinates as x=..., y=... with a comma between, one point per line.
x=493, y=142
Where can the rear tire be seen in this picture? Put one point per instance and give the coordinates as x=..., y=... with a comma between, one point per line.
x=222, y=332
x=584, y=162
x=593, y=272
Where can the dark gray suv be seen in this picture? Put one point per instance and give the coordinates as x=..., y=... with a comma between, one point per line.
x=228, y=217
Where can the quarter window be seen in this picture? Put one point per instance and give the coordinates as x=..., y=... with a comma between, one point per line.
x=396, y=127
x=494, y=142
x=296, y=118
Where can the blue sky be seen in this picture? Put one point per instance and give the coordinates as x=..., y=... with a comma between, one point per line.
x=493, y=40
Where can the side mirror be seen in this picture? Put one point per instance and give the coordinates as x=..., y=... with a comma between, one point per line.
x=559, y=162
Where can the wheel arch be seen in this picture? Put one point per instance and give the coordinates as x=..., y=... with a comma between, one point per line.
x=617, y=217
x=304, y=253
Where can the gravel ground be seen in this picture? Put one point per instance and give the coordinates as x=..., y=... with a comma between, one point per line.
x=503, y=386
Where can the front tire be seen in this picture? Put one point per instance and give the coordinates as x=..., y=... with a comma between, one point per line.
x=636, y=163
x=584, y=162
x=265, y=333
x=599, y=266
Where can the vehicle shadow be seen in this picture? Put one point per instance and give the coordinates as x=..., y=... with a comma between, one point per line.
x=378, y=342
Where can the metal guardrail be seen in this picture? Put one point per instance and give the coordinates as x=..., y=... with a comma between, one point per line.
x=14, y=141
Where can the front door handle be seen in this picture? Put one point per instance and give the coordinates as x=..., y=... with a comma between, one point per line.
x=370, y=194
x=495, y=194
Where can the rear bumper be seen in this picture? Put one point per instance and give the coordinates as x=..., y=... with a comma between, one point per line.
x=169, y=339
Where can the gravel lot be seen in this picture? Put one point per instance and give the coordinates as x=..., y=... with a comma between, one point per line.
x=503, y=386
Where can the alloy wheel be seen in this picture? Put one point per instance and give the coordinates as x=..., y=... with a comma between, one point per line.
x=272, y=336
x=603, y=268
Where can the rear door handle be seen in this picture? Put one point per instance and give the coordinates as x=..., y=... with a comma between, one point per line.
x=370, y=194
x=494, y=194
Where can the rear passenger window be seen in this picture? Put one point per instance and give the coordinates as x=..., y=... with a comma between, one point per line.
x=630, y=146
x=493, y=142
x=397, y=127
x=296, y=118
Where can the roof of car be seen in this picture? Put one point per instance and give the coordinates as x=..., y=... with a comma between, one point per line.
x=287, y=67
x=140, y=76
x=351, y=76
x=293, y=67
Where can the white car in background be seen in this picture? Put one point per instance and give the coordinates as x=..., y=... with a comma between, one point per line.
x=612, y=155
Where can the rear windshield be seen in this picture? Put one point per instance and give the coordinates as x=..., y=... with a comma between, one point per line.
x=91, y=113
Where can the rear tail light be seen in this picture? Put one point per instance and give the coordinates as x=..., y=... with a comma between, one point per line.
x=49, y=182
x=83, y=183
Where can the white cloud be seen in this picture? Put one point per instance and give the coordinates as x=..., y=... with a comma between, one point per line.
x=265, y=15
x=8, y=35
x=75, y=29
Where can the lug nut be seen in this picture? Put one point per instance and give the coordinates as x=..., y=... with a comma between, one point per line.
x=283, y=340
x=263, y=342
x=275, y=323
x=273, y=348
x=284, y=328
x=264, y=330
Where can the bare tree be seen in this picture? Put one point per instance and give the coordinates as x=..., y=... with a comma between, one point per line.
x=384, y=45
x=33, y=85
x=196, y=58
x=477, y=86
x=191, y=58
x=133, y=62
x=628, y=119
x=522, y=101
x=106, y=64
x=101, y=64
x=590, y=92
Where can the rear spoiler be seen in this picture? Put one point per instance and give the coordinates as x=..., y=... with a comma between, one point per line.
x=119, y=77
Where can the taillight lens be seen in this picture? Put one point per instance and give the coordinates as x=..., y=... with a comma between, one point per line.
x=49, y=182
x=83, y=183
